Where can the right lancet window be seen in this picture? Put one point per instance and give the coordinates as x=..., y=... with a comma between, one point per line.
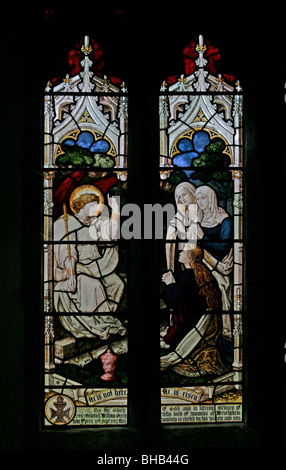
x=202, y=254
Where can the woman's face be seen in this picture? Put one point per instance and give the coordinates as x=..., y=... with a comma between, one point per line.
x=202, y=201
x=185, y=197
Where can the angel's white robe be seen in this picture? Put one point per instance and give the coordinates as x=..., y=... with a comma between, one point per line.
x=98, y=287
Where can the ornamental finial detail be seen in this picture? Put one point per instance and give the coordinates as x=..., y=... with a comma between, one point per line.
x=86, y=48
x=201, y=47
x=201, y=62
x=87, y=86
x=237, y=86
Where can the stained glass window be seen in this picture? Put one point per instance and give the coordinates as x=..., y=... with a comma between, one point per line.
x=251, y=51
x=84, y=259
x=201, y=307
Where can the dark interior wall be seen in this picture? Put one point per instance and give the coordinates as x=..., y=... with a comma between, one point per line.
x=143, y=47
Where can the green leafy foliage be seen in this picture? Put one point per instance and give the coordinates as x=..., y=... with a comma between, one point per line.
x=76, y=156
x=177, y=177
x=102, y=160
x=213, y=161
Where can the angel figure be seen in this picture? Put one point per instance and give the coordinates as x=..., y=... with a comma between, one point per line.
x=84, y=270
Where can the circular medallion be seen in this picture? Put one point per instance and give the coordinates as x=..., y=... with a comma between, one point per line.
x=60, y=409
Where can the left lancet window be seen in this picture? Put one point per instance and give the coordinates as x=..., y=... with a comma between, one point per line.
x=84, y=260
